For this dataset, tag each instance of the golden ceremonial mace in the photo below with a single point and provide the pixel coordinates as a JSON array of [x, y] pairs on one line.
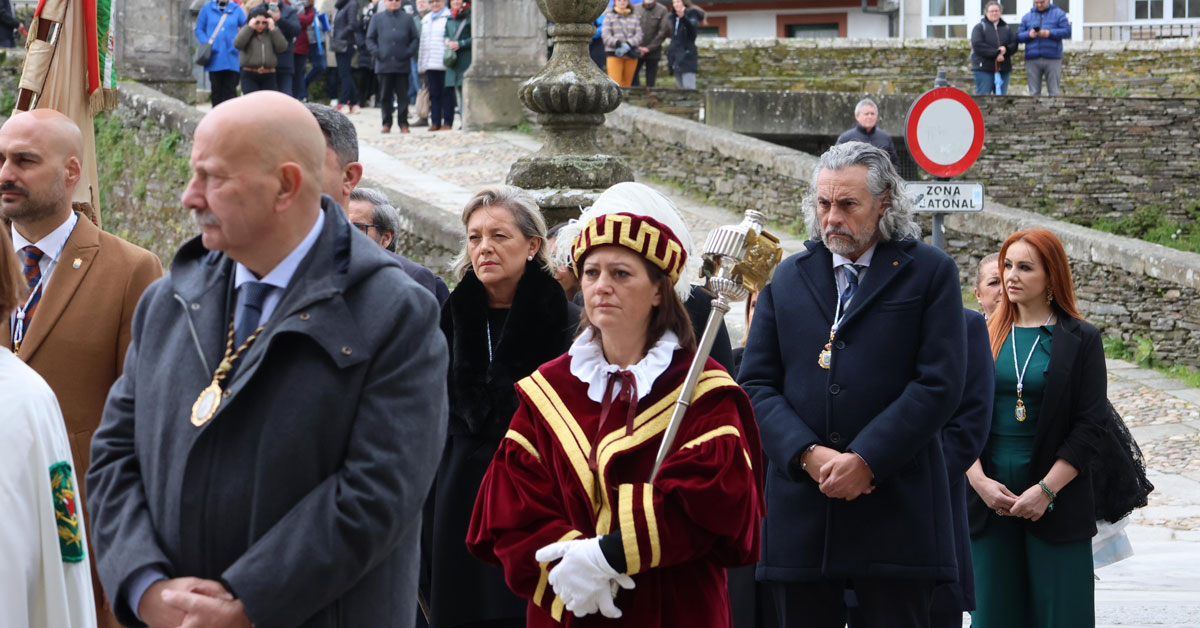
[[737, 259]]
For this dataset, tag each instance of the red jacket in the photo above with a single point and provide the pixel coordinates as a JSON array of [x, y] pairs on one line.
[[700, 516], [307, 14]]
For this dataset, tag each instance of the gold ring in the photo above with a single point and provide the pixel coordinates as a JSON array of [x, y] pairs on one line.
[[1000, 512]]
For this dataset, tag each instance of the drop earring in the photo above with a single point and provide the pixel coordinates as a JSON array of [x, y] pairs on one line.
[[1049, 296]]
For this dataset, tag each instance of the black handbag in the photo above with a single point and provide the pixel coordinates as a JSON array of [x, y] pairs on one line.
[[204, 50], [1119, 480]]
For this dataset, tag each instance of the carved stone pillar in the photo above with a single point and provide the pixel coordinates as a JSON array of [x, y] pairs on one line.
[[508, 43], [570, 96]]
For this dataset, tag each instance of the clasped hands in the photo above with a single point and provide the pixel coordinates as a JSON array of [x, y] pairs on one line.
[[1030, 504], [839, 475], [191, 603], [583, 579]]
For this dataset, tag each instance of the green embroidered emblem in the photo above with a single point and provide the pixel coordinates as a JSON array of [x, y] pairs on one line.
[[66, 513]]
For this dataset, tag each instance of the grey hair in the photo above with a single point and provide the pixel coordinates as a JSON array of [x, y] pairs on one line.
[[338, 130], [383, 213], [990, 3], [897, 222], [864, 103], [526, 214]]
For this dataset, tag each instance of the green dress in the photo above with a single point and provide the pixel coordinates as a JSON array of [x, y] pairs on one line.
[[1020, 580]]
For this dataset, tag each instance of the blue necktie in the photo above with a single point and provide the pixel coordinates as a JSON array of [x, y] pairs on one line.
[[31, 267], [253, 295], [851, 274]]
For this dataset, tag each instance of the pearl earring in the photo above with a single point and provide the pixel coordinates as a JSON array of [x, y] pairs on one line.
[[529, 259]]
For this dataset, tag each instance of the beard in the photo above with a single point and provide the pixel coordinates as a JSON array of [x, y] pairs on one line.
[[34, 207], [850, 242]]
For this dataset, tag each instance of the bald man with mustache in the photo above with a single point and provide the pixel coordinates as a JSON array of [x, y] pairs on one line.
[[72, 326], [265, 456]]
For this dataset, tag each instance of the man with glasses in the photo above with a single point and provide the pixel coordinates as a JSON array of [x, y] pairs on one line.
[[371, 212]]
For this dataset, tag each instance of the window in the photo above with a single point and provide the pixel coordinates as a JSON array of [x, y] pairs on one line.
[[812, 31], [1147, 9], [1185, 9], [946, 8]]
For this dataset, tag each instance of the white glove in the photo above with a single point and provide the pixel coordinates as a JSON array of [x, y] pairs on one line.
[[584, 580]]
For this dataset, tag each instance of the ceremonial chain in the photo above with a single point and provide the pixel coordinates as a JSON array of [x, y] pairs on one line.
[[1020, 410], [210, 398]]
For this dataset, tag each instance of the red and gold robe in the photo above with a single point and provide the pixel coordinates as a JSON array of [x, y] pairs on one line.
[[700, 516]]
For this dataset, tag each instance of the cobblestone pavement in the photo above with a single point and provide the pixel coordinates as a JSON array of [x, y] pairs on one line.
[[1159, 586]]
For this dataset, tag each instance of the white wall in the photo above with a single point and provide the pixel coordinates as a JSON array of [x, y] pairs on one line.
[[749, 24], [868, 25]]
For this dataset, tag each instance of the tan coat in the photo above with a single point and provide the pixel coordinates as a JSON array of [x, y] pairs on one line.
[[80, 330]]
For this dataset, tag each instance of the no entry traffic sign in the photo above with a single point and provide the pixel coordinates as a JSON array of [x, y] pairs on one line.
[[944, 131]]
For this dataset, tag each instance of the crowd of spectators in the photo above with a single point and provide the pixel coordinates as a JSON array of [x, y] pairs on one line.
[[384, 53]]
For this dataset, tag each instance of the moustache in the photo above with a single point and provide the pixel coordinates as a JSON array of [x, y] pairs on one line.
[[9, 186], [832, 231], [205, 218]]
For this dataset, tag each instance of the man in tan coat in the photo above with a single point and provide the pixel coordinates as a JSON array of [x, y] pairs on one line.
[[73, 325]]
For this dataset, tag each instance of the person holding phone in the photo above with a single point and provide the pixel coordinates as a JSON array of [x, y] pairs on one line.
[[1042, 31], [259, 45]]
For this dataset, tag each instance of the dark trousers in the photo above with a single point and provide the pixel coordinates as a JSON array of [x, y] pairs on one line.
[[298, 78], [651, 66], [318, 66], [441, 99], [596, 52], [881, 602], [223, 86], [253, 82], [391, 85], [367, 86], [284, 77], [348, 94]]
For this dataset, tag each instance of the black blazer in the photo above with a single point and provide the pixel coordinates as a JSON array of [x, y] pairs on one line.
[[1069, 427]]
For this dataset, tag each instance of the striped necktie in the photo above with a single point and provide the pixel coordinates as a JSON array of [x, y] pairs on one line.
[[851, 275], [32, 256]]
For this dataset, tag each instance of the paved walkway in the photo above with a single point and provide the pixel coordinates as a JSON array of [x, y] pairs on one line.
[[1159, 586]]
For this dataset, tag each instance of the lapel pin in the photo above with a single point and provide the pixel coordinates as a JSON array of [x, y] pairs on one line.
[[77, 263], [893, 263]]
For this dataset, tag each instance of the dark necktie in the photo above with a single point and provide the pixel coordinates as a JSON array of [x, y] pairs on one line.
[[33, 276], [253, 295], [851, 274]]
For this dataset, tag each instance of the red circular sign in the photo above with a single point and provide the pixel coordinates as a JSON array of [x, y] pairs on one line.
[[944, 131]]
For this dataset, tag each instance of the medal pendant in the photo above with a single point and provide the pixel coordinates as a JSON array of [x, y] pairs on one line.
[[825, 358], [1020, 411], [206, 404]]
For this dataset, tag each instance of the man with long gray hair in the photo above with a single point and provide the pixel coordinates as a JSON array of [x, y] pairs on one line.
[[854, 363]]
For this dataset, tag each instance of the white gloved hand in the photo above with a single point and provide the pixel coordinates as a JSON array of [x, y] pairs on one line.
[[584, 580]]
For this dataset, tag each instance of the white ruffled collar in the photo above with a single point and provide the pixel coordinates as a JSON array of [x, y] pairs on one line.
[[590, 367]]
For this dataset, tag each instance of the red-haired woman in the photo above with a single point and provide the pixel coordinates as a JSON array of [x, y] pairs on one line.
[[1032, 514]]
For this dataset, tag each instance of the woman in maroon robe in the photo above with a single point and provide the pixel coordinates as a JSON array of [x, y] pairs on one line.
[[566, 507]]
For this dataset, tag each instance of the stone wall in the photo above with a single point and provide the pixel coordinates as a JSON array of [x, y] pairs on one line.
[[685, 103], [727, 169], [1084, 159], [1077, 158], [1164, 68], [1126, 287]]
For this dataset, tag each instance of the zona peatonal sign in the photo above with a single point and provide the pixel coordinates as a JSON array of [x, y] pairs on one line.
[[944, 131], [946, 196]]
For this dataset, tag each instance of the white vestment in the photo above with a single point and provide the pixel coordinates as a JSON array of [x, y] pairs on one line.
[[38, 588]]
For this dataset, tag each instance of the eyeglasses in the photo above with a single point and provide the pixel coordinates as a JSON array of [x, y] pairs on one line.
[[363, 227]]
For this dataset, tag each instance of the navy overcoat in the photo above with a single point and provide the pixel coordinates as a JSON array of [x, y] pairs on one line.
[[963, 439], [899, 363]]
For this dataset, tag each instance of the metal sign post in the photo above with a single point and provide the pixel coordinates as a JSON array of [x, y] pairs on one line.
[[944, 131]]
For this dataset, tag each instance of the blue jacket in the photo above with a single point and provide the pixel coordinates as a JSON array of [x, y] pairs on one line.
[[899, 363], [963, 439], [1052, 19], [224, 55]]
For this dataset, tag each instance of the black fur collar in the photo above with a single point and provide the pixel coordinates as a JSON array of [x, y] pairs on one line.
[[538, 329]]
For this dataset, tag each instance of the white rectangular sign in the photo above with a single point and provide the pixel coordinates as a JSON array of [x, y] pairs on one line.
[[946, 196]]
